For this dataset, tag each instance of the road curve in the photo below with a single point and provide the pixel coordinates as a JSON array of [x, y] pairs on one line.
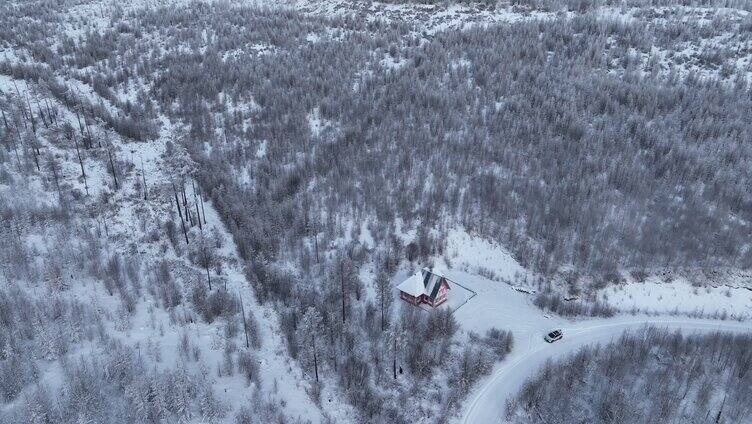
[[486, 403]]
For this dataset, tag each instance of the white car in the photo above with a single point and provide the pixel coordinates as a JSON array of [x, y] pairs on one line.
[[554, 336]]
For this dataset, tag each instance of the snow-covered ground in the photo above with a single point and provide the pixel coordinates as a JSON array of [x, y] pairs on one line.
[[480, 256], [680, 297], [498, 305]]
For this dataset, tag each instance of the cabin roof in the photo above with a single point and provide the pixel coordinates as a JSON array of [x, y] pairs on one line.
[[413, 285]]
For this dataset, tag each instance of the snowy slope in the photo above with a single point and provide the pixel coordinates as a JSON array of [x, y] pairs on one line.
[[680, 297], [127, 227]]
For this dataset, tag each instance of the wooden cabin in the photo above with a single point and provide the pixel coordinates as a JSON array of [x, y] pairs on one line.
[[426, 287]]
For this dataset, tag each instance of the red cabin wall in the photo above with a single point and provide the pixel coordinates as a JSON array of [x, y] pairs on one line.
[[440, 296], [409, 298]]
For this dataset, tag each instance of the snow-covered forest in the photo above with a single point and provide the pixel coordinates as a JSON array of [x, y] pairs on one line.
[[651, 376], [205, 206]]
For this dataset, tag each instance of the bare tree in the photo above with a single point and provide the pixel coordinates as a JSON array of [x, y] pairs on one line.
[[308, 330], [384, 296]]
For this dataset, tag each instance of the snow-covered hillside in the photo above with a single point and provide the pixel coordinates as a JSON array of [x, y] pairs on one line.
[[206, 206], [103, 248]]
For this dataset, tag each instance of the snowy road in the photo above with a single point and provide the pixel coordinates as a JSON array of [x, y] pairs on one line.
[[486, 404]]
